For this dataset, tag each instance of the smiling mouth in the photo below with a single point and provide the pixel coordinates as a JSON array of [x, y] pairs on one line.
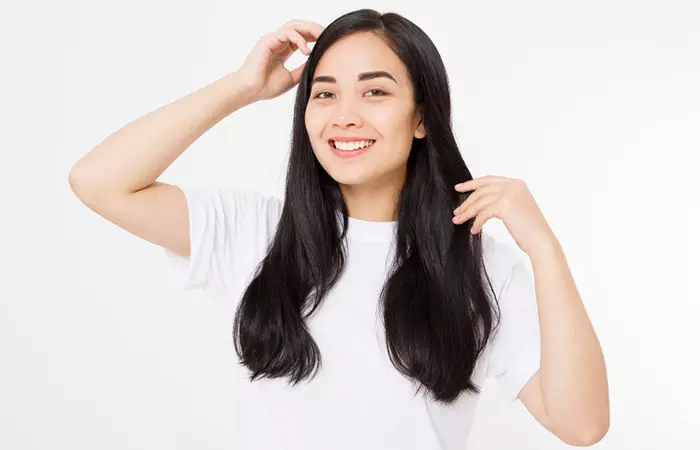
[[370, 142]]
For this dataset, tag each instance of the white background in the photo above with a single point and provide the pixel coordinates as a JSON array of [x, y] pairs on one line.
[[596, 105]]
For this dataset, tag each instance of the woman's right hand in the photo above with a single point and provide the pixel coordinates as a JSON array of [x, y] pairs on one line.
[[264, 69]]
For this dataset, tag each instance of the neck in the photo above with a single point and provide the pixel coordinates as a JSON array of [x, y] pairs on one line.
[[372, 203]]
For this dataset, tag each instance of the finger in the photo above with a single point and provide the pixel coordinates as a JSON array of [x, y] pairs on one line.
[[278, 44], [475, 208], [293, 40], [283, 47], [298, 40], [312, 29], [307, 37], [487, 213], [474, 196], [477, 182], [309, 31]]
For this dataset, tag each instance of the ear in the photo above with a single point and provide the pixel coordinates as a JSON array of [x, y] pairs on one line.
[[419, 133]]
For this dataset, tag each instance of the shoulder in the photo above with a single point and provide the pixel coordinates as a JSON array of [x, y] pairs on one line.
[[229, 230], [234, 210], [251, 201]]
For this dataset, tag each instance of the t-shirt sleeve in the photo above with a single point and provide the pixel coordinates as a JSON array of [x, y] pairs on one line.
[[515, 351], [230, 230]]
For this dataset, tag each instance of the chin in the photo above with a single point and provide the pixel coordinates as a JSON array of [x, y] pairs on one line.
[[350, 179]]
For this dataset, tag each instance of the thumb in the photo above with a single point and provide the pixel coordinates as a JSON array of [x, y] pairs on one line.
[[296, 73]]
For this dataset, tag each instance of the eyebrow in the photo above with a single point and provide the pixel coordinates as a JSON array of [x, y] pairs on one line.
[[361, 77]]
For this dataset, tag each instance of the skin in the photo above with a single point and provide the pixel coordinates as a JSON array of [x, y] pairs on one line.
[[376, 108], [569, 394]]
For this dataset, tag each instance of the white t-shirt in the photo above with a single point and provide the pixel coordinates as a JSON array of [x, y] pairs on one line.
[[357, 400]]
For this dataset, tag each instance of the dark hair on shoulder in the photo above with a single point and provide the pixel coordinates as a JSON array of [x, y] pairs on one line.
[[436, 308]]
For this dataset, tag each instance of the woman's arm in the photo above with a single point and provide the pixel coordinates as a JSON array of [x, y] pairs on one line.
[[117, 179], [572, 371], [133, 157]]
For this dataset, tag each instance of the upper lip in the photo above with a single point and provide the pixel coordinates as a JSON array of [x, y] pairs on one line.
[[349, 139]]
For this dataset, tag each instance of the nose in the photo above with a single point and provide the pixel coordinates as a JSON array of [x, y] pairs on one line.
[[346, 116]]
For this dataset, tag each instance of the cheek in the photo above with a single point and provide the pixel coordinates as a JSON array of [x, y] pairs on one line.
[[308, 121], [315, 124], [314, 121], [393, 124]]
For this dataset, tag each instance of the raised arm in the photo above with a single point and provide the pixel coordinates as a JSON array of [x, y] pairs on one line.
[[117, 178]]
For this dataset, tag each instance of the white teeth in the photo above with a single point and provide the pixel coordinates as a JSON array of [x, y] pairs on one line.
[[347, 146]]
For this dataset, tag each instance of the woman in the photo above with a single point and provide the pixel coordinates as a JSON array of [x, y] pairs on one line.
[[364, 287]]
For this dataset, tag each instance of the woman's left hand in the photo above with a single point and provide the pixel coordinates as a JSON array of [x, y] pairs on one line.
[[510, 200]]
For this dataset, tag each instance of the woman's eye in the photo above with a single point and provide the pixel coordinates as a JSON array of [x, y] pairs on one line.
[[378, 92]]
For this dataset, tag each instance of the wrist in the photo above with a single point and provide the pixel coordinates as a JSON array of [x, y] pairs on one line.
[[548, 247], [240, 91]]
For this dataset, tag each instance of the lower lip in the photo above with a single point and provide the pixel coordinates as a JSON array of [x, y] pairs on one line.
[[349, 153]]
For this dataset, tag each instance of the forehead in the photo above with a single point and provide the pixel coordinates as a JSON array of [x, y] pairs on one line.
[[360, 52]]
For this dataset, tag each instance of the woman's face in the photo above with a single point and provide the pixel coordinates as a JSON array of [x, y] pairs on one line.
[[344, 103]]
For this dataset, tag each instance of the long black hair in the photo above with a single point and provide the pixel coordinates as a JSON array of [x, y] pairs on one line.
[[437, 313]]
